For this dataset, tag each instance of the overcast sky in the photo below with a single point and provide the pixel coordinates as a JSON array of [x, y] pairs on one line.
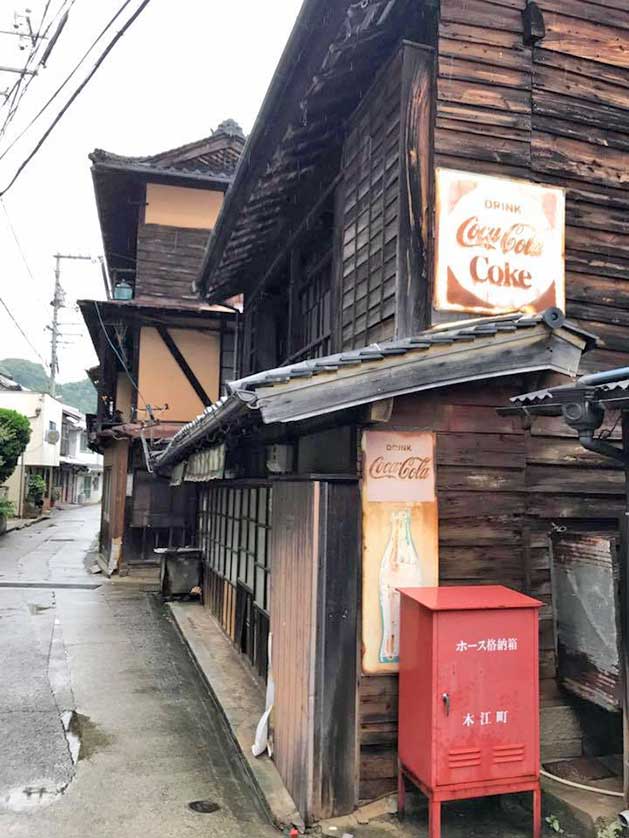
[[181, 69]]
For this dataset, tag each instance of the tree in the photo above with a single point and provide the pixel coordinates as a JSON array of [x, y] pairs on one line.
[[15, 432], [79, 394]]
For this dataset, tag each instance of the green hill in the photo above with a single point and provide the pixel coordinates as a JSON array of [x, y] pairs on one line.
[[79, 394]]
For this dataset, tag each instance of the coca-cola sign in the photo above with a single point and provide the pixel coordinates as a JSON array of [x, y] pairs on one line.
[[399, 466], [500, 244]]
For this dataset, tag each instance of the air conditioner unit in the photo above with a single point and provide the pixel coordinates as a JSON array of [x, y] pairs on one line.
[[53, 437]]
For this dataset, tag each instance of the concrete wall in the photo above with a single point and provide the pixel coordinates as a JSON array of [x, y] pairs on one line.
[[41, 409], [162, 382], [179, 206]]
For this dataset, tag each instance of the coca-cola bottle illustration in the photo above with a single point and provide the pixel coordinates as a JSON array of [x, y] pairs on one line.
[[400, 568]]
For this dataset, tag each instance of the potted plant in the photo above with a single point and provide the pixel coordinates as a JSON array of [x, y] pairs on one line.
[[7, 510], [35, 493]]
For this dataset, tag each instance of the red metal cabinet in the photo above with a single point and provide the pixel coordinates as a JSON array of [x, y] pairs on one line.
[[469, 695]]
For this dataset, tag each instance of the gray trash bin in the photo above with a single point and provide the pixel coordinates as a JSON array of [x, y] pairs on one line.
[[180, 570]]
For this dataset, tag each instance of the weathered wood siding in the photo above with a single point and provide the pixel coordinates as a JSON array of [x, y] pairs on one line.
[[370, 214], [168, 261], [314, 612], [382, 214], [556, 112], [501, 492], [294, 557]]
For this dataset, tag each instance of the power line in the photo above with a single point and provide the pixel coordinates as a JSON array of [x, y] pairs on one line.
[[77, 92], [118, 356], [17, 92], [21, 331], [20, 248], [60, 20]]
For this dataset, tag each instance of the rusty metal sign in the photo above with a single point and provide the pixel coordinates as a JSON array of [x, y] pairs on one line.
[[500, 244], [400, 536]]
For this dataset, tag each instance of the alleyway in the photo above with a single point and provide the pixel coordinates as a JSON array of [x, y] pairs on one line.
[[105, 728]]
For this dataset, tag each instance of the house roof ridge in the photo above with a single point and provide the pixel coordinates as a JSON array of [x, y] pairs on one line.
[[220, 137]]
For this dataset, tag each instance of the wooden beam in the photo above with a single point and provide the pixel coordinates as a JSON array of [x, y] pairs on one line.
[[184, 366]]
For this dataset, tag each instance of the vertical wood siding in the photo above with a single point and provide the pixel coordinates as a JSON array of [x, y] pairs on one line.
[[294, 551], [369, 215], [315, 547]]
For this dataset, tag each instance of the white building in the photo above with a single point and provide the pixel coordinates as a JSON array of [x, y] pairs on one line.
[[74, 476], [80, 469]]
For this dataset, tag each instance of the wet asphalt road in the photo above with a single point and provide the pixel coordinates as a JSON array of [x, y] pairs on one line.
[[105, 728]]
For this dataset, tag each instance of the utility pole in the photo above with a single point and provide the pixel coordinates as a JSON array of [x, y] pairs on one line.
[[58, 301]]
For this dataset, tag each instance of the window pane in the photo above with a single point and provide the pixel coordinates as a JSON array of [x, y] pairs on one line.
[[260, 587], [261, 551]]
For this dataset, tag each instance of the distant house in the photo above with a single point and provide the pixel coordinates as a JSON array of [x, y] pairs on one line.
[[8, 383], [80, 469], [163, 354], [54, 452]]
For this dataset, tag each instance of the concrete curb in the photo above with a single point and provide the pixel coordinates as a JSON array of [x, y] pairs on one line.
[[580, 813], [22, 523], [232, 688]]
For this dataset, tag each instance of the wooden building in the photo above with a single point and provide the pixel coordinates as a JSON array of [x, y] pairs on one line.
[[163, 354], [335, 231]]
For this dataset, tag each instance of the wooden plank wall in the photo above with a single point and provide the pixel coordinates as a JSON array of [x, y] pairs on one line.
[[335, 741], [369, 215], [501, 492], [556, 112], [294, 551], [168, 260]]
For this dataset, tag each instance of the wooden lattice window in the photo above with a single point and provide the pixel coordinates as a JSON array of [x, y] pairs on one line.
[[314, 307], [371, 170], [234, 524]]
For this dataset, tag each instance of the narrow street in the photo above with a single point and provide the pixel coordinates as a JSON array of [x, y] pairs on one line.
[[106, 729]]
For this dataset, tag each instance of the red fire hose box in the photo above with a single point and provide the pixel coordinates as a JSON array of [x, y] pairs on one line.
[[469, 695]]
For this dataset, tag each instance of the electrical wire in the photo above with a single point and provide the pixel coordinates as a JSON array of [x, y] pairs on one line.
[[117, 354], [21, 250], [22, 332], [77, 91], [60, 88], [21, 85]]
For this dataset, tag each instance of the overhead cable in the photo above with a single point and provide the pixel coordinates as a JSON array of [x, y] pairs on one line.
[[77, 92], [20, 249], [21, 85], [68, 78], [21, 331], [117, 354]]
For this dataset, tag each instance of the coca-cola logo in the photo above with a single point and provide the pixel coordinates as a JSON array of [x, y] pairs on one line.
[[516, 238], [410, 468], [399, 466], [500, 244]]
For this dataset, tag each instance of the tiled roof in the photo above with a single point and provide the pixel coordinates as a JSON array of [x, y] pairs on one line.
[[456, 333], [215, 156], [401, 357], [8, 383], [558, 395]]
